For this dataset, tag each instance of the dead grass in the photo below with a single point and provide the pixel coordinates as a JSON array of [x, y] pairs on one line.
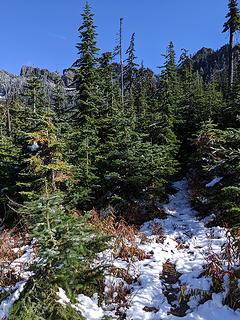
[[126, 238], [233, 296], [158, 231], [169, 273], [10, 244], [117, 293], [112, 227], [129, 253], [136, 214], [122, 273]]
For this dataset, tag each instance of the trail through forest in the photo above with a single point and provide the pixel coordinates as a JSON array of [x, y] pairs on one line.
[[171, 283]]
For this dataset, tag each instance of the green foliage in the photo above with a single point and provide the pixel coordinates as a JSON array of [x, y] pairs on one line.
[[230, 115], [66, 248], [43, 166], [218, 154], [233, 22], [131, 65], [40, 302], [86, 76]]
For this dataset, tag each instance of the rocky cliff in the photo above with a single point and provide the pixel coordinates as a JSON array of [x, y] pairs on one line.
[[206, 61], [11, 84], [210, 62]]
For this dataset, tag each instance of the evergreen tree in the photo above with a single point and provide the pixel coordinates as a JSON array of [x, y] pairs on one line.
[[232, 25], [43, 167], [144, 92], [131, 65], [86, 76], [35, 95], [163, 113], [59, 100], [110, 96], [191, 111], [230, 115], [169, 87], [83, 138], [9, 162]]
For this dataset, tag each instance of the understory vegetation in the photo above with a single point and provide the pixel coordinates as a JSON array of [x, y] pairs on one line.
[[129, 135]]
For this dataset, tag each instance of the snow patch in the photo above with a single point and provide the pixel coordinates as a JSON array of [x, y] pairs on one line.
[[86, 306], [19, 266], [7, 303], [213, 182], [34, 146]]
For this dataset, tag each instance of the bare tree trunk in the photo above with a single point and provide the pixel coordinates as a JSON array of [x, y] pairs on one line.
[[9, 123], [53, 181], [34, 100], [121, 61], [87, 157], [231, 65]]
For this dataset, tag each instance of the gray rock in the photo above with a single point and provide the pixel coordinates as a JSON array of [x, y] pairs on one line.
[[68, 77], [11, 84], [40, 73]]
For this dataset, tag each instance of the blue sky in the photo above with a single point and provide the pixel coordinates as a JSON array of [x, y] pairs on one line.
[[43, 33]]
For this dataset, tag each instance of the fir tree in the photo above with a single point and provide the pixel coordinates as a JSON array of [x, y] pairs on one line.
[[131, 65], [230, 113], [232, 25], [86, 76], [169, 87], [59, 99], [35, 95], [161, 129], [83, 138]]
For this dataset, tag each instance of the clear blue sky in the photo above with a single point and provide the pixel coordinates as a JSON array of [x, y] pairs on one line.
[[43, 33]]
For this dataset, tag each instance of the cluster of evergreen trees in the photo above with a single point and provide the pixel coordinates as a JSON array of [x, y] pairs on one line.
[[129, 133]]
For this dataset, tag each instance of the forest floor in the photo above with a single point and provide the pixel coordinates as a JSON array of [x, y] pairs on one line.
[[175, 266]]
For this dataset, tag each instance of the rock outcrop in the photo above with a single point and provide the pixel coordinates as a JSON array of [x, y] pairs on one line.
[[11, 84], [211, 63]]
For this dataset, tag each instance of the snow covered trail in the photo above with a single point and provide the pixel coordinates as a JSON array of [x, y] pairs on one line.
[[184, 251]]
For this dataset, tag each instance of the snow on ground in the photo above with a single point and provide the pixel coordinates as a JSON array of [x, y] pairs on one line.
[[20, 266], [86, 306], [214, 182], [147, 300]]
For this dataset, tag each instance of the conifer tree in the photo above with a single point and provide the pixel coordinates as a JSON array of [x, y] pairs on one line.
[[232, 25], [86, 76], [144, 97], [110, 96], [83, 138], [9, 163], [43, 166], [59, 99], [169, 86], [35, 95], [131, 65], [230, 113], [192, 105], [166, 104]]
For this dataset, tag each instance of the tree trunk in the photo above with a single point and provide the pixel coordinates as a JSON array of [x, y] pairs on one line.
[[121, 62], [9, 123], [231, 65]]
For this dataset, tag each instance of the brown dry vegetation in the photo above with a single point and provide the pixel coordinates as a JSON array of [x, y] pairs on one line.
[[10, 240]]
